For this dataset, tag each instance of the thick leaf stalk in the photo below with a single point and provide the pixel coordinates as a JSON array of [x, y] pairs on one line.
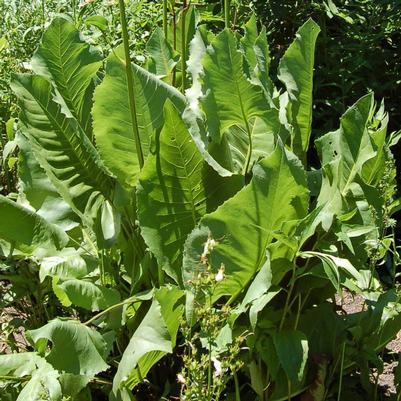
[[227, 13], [184, 44], [130, 82]]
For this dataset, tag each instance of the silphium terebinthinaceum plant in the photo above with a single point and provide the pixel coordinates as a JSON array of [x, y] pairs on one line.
[[224, 164]]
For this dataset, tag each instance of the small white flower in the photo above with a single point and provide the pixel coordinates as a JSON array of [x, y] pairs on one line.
[[207, 248], [217, 366], [180, 378], [84, 3], [220, 274]]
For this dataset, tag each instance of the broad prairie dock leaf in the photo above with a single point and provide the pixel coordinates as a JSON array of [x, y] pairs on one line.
[[76, 348], [26, 229], [40, 377], [296, 72], [344, 152], [71, 64], [229, 94], [112, 120], [292, 349], [60, 145], [163, 57], [243, 226], [154, 338], [36, 188], [176, 188], [351, 143]]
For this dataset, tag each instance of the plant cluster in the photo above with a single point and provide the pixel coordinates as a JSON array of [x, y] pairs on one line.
[[21, 28], [170, 214], [359, 38]]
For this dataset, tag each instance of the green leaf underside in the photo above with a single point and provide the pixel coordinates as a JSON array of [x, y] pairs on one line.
[[263, 141], [296, 72], [344, 153], [230, 97], [163, 57], [21, 226], [88, 295], [76, 349], [154, 338], [244, 225], [351, 143], [176, 188], [39, 191], [112, 119], [65, 59], [40, 376], [292, 351], [60, 146]]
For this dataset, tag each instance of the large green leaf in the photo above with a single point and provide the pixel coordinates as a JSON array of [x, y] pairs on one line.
[[193, 114], [162, 56], [36, 188], [292, 350], [69, 263], [230, 97], [344, 153], [112, 122], [247, 43], [192, 19], [257, 55], [26, 229], [155, 337], [351, 143], [76, 348], [176, 188], [41, 378], [71, 64], [261, 70], [85, 294], [374, 169], [60, 145], [296, 72], [244, 225], [262, 135]]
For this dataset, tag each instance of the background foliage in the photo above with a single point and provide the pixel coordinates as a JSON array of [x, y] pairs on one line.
[[212, 267]]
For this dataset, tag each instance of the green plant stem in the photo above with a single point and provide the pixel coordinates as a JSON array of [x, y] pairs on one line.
[[289, 294], [236, 384], [165, 19], [340, 383], [298, 312], [227, 13], [5, 164], [209, 374], [15, 379], [289, 389], [183, 45], [98, 380], [74, 11], [250, 148], [110, 308], [131, 84], [174, 42], [160, 273], [43, 14]]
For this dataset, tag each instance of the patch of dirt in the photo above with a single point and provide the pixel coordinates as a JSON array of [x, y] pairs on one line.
[[12, 333], [350, 304]]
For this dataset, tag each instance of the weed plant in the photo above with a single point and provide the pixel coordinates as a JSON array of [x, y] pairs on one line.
[[183, 241]]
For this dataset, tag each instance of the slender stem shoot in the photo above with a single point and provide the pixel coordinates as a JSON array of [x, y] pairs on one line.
[[340, 383], [165, 18]]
